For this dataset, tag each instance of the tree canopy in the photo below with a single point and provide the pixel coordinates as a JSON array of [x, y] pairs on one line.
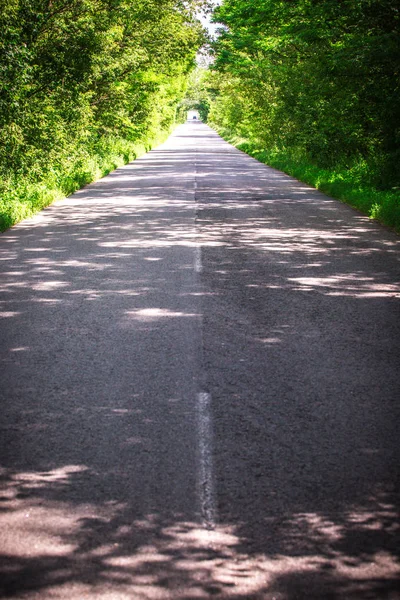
[[77, 75], [317, 77]]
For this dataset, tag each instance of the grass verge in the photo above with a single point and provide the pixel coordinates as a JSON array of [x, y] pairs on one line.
[[21, 197], [347, 185]]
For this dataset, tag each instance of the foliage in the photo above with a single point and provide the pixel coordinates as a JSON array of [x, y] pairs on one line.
[[315, 79], [81, 82], [199, 95]]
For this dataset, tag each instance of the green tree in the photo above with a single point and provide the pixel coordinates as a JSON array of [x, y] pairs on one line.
[[320, 78], [76, 76]]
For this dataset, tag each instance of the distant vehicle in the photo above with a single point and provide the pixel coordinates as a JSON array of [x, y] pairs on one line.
[[194, 117]]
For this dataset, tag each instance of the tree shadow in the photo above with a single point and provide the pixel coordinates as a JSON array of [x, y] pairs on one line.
[[290, 323]]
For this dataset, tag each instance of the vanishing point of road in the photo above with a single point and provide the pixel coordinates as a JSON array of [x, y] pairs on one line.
[[199, 389]]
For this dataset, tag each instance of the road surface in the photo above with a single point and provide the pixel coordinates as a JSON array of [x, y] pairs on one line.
[[199, 388]]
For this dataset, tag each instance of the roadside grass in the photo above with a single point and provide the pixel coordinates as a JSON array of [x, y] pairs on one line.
[[348, 185], [21, 197]]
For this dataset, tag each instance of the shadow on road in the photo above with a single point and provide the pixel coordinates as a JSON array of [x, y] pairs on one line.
[[298, 306]]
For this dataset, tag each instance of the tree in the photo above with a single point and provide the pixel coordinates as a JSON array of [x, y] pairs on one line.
[[73, 71], [320, 78]]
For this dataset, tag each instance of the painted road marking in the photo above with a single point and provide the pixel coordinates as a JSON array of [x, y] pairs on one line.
[[198, 265], [206, 476]]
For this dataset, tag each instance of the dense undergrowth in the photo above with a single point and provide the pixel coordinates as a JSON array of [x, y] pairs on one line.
[[22, 197]]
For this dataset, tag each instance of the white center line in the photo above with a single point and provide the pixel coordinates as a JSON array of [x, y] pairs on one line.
[[198, 265], [206, 477]]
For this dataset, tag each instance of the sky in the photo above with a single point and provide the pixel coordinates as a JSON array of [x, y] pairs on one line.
[[205, 19]]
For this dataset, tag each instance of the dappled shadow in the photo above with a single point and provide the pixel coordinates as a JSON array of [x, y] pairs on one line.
[[124, 301], [302, 351], [64, 542]]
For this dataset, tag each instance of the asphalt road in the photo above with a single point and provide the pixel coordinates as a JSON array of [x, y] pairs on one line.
[[200, 388]]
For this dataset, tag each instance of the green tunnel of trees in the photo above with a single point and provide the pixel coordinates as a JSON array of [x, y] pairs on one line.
[[309, 86]]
